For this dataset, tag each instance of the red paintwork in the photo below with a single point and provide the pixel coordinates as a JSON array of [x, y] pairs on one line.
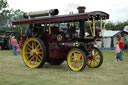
[[60, 50], [57, 49]]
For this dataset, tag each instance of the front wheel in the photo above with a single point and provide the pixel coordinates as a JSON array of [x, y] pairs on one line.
[[95, 58], [76, 59]]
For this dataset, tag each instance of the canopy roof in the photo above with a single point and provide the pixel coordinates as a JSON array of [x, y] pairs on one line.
[[63, 18]]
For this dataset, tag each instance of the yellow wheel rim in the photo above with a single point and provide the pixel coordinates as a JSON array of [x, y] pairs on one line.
[[75, 60], [32, 53], [94, 58]]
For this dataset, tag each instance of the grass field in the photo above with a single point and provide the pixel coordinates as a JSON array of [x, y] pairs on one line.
[[14, 72]]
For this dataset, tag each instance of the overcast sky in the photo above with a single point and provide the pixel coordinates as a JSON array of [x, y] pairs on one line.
[[118, 9]]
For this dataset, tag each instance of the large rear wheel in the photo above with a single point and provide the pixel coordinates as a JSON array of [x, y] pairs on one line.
[[34, 52], [76, 59], [95, 58]]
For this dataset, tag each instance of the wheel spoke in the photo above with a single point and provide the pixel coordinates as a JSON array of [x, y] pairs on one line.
[[79, 64], [31, 58], [27, 53], [39, 53], [32, 44], [71, 59], [29, 45], [77, 54], [29, 49], [97, 54], [73, 55], [40, 56], [37, 47], [28, 56], [81, 60], [97, 58], [29, 61], [75, 65], [80, 56], [96, 61], [91, 62]]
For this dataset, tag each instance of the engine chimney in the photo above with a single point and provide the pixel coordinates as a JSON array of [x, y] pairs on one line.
[[81, 9]]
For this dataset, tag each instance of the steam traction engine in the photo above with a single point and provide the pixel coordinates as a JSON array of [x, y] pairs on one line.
[[55, 38]]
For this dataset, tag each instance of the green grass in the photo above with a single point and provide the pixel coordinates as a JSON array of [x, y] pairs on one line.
[[14, 72]]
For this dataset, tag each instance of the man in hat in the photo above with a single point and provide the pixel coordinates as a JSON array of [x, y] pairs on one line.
[[14, 45]]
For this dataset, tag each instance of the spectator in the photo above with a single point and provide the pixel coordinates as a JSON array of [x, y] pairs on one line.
[[14, 45], [117, 51], [121, 46], [21, 43], [18, 49]]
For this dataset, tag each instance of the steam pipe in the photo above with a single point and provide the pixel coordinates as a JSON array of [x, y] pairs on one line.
[[50, 12]]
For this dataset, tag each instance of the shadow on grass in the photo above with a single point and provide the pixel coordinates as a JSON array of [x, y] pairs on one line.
[[62, 67]]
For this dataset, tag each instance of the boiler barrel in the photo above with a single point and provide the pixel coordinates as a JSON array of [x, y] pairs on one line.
[[41, 13]]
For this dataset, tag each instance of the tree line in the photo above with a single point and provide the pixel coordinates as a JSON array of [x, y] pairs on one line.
[[116, 26]]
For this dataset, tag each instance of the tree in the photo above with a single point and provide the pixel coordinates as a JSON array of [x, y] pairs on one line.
[[12, 16], [116, 26], [3, 12], [3, 5], [8, 15], [110, 26], [17, 15]]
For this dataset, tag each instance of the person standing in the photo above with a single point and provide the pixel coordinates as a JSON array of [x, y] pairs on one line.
[[121, 46], [117, 51], [21, 43], [14, 45], [18, 49]]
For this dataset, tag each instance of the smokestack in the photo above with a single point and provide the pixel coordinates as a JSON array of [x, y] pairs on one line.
[[81, 9]]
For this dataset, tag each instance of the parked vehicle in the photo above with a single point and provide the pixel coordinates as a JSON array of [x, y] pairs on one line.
[[5, 39]]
